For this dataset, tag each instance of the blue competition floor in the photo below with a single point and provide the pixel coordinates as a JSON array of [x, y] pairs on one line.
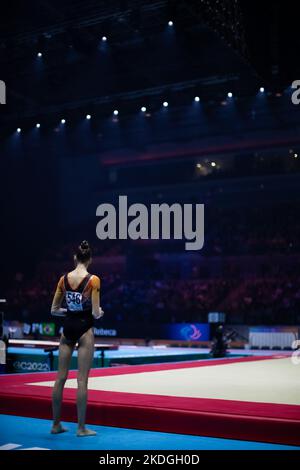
[[18, 433], [122, 352], [137, 351]]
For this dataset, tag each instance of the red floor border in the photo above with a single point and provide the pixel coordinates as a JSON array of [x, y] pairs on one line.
[[208, 417]]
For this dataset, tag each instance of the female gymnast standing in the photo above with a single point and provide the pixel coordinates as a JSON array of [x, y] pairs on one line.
[[81, 292]]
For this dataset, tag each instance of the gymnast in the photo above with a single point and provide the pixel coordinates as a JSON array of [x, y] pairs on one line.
[[81, 292]]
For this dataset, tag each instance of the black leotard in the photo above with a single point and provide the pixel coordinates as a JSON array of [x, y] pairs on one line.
[[79, 318]]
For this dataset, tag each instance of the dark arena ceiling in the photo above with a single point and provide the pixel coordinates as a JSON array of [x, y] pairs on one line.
[[212, 45]]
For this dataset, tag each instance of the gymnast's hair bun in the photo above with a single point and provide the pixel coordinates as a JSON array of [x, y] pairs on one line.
[[83, 254], [84, 245]]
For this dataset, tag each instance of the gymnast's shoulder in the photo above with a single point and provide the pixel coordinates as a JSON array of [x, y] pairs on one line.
[[95, 281]]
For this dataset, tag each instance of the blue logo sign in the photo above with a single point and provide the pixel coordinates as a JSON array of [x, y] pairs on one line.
[[188, 331]]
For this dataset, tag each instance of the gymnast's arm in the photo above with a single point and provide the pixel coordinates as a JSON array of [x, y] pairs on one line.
[[96, 309], [56, 309]]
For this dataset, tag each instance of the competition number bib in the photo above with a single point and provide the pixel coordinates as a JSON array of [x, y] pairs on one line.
[[74, 301]]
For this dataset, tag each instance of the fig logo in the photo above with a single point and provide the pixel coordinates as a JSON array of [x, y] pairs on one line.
[[191, 332], [2, 92]]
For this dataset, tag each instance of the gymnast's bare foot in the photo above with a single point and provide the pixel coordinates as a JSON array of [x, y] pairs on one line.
[[58, 429], [84, 432]]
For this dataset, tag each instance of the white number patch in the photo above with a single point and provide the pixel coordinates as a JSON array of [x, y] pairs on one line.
[[74, 301]]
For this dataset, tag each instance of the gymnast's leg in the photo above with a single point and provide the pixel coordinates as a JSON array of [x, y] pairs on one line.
[[85, 357], [65, 354]]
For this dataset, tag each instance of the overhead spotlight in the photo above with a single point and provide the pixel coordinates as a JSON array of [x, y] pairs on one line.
[[262, 89], [19, 130], [39, 54], [38, 125], [63, 121], [143, 109], [88, 116], [230, 95], [199, 165], [104, 38], [165, 104], [213, 164], [295, 155], [197, 98], [116, 112], [170, 23]]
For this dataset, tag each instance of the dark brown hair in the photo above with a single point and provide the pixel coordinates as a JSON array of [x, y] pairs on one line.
[[83, 254]]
